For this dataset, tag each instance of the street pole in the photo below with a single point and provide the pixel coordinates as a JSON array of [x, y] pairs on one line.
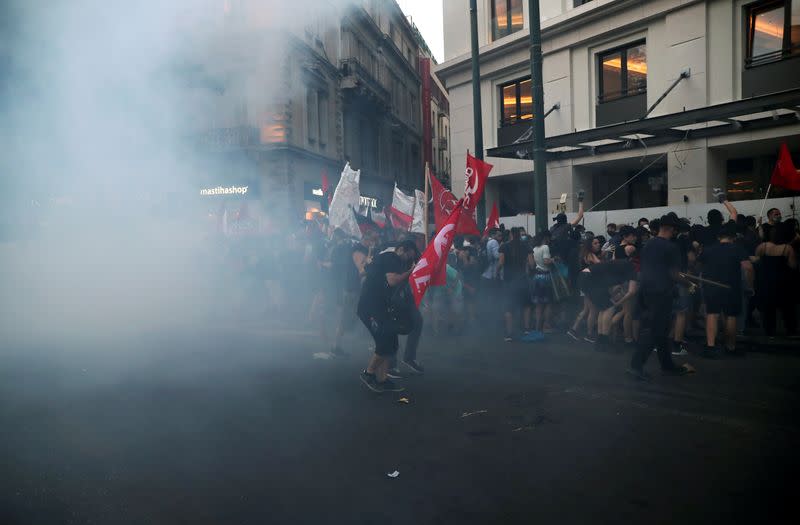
[[537, 90], [477, 123]]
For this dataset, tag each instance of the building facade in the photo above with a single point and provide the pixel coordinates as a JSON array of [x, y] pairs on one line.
[[295, 103], [700, 93]]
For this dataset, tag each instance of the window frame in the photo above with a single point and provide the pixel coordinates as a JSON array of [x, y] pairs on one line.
[[508, 27], [623, 51], [518, 93], [753, 9]]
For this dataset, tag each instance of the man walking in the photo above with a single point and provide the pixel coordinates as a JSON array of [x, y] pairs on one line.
[[660, 264]]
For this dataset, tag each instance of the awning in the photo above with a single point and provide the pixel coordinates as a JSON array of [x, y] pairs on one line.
[[766, 111]]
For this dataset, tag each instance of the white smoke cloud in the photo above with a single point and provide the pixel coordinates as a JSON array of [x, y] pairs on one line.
[[100, 101]]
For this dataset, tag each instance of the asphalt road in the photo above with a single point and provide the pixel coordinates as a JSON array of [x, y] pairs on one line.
[[242, 425]]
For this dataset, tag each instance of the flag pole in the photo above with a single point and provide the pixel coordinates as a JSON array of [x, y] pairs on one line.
[[764, 204], [425, 209]]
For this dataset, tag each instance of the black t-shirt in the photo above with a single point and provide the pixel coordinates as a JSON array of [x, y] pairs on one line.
[[516, 259], [343, 270], [660, 257], [722, 262], [612, 273], [711, 234], [376, 293]]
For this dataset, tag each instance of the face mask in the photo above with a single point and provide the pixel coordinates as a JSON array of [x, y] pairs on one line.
[[524, 238]]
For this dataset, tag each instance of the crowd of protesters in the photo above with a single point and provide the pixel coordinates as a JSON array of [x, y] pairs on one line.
[[639, 288]]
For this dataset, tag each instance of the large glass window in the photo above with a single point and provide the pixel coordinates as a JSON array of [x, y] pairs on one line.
[[506, 17], [773, 31], [623, 72], [516, 102]]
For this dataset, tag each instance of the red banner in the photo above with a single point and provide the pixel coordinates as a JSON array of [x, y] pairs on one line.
[[428, 270], [494, 220], [476, 175], [444, 203], [785, 175]]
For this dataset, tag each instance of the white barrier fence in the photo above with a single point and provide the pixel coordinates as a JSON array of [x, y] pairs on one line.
[[596, 221]]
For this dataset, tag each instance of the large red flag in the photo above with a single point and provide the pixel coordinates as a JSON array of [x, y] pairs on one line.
[[444, 203], [429, 268], [477, 173], [494, 220], [785, 175]]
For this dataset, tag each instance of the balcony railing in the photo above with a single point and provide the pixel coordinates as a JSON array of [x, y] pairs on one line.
[[442, 142], [357, 77]]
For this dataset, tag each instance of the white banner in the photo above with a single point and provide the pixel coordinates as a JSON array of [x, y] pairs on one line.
[[346, 198], [402, 202], [418, 222]]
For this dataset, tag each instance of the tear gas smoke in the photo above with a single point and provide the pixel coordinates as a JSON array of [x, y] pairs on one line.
[[100, 103]]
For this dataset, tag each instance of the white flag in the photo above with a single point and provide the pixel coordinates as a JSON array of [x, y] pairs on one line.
[[402, 202], [345, 200], [418, 222]]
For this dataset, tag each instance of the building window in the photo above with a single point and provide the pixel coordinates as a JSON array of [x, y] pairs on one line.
[[773, 31], [506, 17], [516, 102], [312, 115], [322, 110], [623, 72]]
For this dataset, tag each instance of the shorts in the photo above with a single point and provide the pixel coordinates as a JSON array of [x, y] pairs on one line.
[[378, 325], [728, 302], [681, 300], [541, 288], [517, 294], [599, 296]]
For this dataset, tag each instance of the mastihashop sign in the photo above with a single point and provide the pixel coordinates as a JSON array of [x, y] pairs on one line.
[[225, 190]]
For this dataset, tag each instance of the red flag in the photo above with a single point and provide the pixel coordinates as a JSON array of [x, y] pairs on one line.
[[429, 268], [477, 173], [785, 175], [494, 220], [444, 203], [325, 184]]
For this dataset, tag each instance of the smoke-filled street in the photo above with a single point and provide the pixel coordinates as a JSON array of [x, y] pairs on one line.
[[241, 424]]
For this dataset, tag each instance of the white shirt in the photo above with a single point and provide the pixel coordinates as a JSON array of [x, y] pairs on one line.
[[493, 255], [540, 253]]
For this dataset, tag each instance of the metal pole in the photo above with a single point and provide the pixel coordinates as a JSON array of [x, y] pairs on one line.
[[537, 90], [477, 122]]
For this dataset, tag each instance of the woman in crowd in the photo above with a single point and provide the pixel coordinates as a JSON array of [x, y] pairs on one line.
[[777, 261], [539, 266], [590, 255]]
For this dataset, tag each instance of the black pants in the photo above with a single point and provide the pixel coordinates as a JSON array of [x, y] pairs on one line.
[[770, 316], [656, 309]]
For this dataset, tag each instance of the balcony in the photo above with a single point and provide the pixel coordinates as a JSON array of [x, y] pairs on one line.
[[632, 107], [360, 81], [509, 133]]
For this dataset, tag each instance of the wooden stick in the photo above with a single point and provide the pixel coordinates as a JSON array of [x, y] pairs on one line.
[[705, 281], [764, 204], [425, 209]]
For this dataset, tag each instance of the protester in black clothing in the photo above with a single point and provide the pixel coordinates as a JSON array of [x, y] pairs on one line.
[[602, 278], [513, 264], [388, 270], [627, 245], [660, 264], [724, 263], [468, 266], [348, 262], [778, 262]]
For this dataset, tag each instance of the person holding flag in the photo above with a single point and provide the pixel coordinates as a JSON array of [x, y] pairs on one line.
[[386, 274]]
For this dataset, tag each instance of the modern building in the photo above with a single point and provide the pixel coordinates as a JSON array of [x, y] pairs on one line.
[[675, 96], [294, 103]]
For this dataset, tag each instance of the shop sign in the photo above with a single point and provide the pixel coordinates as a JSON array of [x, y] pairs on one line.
[[225, 190]]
